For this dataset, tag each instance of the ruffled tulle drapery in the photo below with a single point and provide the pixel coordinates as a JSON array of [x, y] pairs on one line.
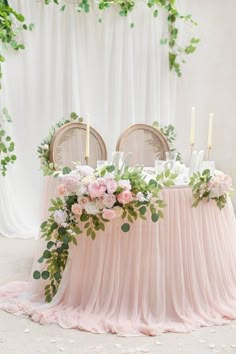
[[174, 275]]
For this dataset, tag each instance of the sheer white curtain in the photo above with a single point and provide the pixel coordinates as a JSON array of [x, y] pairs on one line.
[[74, 63]]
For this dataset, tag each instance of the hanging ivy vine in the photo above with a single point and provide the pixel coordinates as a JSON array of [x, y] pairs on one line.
[[11, 23], [177, 52]]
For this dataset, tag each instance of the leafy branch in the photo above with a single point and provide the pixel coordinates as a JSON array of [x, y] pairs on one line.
[[177, 52]]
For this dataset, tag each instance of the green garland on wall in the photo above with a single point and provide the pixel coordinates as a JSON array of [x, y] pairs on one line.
[[177, 52], [11, 23]]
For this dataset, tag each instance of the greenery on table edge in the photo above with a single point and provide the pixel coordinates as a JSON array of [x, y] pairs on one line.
[[11, 23], [125, 7], [199, 182], [43, 149], [169, 132], [59, 238]]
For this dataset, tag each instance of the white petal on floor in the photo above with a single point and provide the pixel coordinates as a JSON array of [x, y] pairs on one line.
[[211, 346]]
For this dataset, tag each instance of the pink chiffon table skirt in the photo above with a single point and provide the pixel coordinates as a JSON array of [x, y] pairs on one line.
[[174, 275]]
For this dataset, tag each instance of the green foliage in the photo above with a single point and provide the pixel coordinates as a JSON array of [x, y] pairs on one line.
[[169, 132], [43, 150], [7, 146], [173, 15]]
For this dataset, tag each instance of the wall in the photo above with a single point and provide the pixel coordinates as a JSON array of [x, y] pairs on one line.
[[209, 84]]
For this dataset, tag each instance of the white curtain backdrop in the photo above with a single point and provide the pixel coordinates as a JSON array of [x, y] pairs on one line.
[[72, 62]]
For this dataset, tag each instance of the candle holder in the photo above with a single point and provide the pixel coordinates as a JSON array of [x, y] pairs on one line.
[[208, 152], [86, 160], [191, 147]]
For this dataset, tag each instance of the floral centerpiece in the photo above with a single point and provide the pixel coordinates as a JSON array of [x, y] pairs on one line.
[[207, 186], [87, 200]]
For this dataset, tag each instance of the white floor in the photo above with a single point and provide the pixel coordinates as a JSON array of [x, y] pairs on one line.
[[19, 335]]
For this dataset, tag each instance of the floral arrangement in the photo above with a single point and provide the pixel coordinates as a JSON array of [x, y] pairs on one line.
[[205, 186], [43, 150], [87, 200], [169, 132], [173, 16]]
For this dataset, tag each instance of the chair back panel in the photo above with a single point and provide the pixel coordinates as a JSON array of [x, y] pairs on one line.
[[146, 143], [68, 146]]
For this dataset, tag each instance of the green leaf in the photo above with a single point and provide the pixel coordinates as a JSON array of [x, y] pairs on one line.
[[50, 244], [40, 260], [66, 170], [142, 210], [36, 274], [47, 254], [45, 275], [110, 168], [155, 217], [125, 227]]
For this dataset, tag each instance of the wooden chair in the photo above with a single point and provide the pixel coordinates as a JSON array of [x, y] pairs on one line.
[[146, 144], [68, 146]]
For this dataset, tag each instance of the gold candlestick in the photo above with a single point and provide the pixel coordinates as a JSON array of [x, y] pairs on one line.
[[86, 160]]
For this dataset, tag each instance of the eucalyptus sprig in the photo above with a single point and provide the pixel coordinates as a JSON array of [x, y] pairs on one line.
[[43, 150], [177, 52], [7, 145], [11, 23], [169, 132]]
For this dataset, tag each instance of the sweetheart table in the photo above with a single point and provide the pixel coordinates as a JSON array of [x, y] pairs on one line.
[[174, 275]]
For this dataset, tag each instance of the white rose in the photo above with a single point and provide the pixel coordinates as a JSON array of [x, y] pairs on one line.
[[81, 190], [140, 197], [91, 208], [45, 147], [60, 216], [84, 170], [124, 183]]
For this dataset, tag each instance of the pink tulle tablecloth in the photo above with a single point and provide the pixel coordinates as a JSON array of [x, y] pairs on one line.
[[174, 275]]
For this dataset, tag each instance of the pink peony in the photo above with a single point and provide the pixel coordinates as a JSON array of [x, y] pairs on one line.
[[76, 209], [96, 190], [125, 197], [61, 190], [71, 183], [111, 186], [109, 200], [108, 214]]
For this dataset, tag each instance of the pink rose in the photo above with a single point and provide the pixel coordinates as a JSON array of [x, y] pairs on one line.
[[125, 197], [59, 244], [111, 186], [109, 200], [83, 201], [96, 190], [76, 209], [108, 214], [61, 190]]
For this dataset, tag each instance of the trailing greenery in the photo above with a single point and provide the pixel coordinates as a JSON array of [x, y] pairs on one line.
[[7, 146], [11, 23], [169, 132], [86, 207], [177, 52]]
